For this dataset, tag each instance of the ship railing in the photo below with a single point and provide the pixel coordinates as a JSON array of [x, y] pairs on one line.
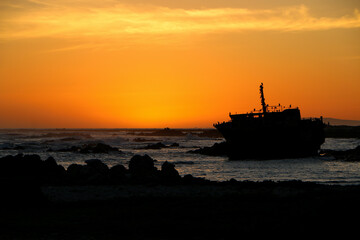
[[312, 119], [279, 108], [275, 108]]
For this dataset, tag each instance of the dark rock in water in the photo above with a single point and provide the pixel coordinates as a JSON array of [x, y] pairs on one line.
[[210, 133], [64, 134], [168, 173], [347, 155], [163, 132], [142, 165], [158, 145], [90, 148], [174, 145], [10, 146], [218, 149], [144, 140], [97, 148]]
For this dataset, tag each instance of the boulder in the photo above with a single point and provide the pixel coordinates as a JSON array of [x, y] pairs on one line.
[[117, 174], [97, 166], [53, 173], [168, 173], [94, 172], [142, 166]]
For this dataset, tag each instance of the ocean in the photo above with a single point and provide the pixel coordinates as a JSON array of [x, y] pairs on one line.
[[46, 143]]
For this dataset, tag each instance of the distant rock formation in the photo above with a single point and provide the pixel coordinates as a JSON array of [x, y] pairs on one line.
[[89, 148], [347, 155], [218, 149], [160, 145]]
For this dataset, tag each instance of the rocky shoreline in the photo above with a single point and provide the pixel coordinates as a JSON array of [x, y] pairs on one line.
[[42, 200]]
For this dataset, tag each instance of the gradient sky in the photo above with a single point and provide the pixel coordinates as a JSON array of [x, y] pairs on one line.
[[163, 63]]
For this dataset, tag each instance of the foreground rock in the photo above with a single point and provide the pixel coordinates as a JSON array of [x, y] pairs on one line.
[[141, 170], [30, 168]]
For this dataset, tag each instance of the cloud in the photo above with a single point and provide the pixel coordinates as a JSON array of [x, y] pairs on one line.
[[83, 19]]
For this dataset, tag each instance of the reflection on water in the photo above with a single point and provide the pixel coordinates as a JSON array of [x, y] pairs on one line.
[[320, 169]]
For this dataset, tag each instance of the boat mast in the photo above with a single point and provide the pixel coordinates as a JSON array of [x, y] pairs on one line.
[[264, 107]]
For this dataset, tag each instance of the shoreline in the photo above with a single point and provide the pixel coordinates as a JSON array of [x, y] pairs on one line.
[[219, 210], [42, 200]]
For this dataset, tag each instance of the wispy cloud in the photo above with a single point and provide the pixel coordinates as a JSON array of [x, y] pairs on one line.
[[66, 19]]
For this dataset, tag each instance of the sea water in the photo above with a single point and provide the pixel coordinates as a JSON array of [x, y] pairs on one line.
[[325, 170]]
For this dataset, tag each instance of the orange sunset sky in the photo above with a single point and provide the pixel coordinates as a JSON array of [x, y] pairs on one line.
[[164, 63]]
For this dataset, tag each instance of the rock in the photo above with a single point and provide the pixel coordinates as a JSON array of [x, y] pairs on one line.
[[218, 149], [347, 155], [97, 148], [94, 172], [142, 166], [353, 154], [144, 140], [53, 173], [75, 173], [168, 173], [158, 145], [117, 174], [97, 166], [89, 148]]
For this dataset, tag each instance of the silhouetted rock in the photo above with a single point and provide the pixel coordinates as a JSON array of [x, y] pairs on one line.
[[54, 173], [144, 140], [189, 179], [158, 145], [97, 166], [174, 145], [210, 133], [63, 134], [168, 173], [164, 132], [22, 175], [89, 148], [117, 174], [142, 165], [76, 173], [94, 172], [31, 168], [347, 155], [218, 149], [98, 148]]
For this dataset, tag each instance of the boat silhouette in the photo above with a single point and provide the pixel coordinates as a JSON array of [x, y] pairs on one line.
[[272, 132]]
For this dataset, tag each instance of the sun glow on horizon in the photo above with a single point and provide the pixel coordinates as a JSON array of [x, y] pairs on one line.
[[122, 63]]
